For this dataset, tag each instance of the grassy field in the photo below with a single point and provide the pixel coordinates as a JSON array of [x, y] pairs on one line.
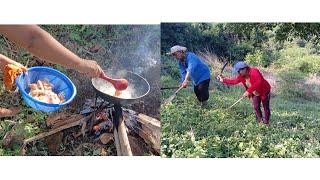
[[189, 131]]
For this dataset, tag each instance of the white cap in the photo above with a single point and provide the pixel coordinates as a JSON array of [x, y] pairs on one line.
[[176, 49]]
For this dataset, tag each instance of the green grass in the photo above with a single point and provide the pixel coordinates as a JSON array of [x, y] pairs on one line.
[[28, 124], [293, 130]]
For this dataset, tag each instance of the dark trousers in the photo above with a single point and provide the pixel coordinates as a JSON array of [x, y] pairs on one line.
[[256, 103], [202, 90]]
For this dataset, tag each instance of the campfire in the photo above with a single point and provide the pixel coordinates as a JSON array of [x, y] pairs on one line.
[[105, 117]]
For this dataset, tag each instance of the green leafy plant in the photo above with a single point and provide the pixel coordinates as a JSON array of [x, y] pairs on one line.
[[236, 133]]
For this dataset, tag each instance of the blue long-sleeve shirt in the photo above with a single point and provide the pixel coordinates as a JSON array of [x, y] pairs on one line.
[[199, 71]]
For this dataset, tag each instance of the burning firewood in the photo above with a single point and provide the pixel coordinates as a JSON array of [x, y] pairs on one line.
[[105, 138], [105, 125], [146, 127], [53, 131]]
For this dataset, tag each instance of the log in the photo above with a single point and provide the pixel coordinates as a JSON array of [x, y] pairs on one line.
[[123, 138], [68, 120], [146, 127], [119, 125], [105, 138], [9, 136], [56, 120], [117, 142], [138, 147], [45, 134]]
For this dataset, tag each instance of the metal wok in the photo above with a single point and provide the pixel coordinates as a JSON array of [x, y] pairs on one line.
[[138, 87]]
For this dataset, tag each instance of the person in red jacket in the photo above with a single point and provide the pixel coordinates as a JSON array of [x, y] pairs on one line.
[[257, 88]]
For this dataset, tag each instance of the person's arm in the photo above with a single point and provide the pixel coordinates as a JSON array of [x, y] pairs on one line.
[[183, 72], [192, 63], [43, 45], [191, 66], [186, 80], [231, 81], [5, 60]]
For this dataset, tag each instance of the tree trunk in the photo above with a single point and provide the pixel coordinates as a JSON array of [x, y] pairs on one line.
[[146, 127]]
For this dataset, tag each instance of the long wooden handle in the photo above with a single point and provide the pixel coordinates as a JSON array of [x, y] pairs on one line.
[[178, 89], [235, 103], [169, 87]]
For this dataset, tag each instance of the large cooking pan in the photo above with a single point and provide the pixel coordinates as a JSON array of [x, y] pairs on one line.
[[138, 87]]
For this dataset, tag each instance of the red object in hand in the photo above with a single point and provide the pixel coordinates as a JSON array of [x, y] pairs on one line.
[[119, 84]]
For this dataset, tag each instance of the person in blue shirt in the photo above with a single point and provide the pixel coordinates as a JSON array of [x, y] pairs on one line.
[[194, 69]]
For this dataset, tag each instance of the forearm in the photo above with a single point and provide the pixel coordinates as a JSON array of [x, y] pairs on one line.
[[187, 78], [230, 81], [41, 44], [183, 76]]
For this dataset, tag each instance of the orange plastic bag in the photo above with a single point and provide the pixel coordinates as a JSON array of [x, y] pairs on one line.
[[10, 74]]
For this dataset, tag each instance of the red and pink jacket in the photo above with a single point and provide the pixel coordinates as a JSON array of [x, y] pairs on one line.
[[258, 83]]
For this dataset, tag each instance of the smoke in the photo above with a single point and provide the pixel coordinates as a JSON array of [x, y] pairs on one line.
[[148, 51], [139, 50]]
